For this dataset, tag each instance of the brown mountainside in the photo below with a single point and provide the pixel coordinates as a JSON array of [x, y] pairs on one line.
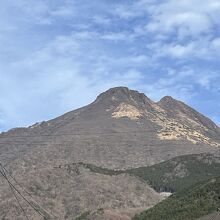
[[121, 129]]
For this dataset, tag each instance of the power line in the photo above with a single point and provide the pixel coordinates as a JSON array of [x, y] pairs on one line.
[[23, 197], [25, 190], [14, 189], [15, 180], [14, 193]]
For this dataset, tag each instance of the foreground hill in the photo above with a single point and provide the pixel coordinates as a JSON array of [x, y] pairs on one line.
[[69, 191], [122, 129], [173, 175], [180, 172], [189, 204]]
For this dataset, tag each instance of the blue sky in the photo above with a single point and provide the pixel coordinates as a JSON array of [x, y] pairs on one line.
[[57, 55]]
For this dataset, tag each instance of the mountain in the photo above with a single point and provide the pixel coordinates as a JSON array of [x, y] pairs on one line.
[[122, 129], [192, 203]]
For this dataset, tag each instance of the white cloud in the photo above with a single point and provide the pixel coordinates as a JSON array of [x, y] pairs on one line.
[[201, 49], [63, 12], [216, 43], [188, 18], [59, 49], [132, 75], [183, 84], [57, 73], [180, 50], [189, 27], [101, 20], [120, 36], [185, 23]]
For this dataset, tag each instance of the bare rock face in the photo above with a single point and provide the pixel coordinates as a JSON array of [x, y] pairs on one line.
[[121, 129]]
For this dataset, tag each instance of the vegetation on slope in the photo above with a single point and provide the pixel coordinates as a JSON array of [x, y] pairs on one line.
[[172, 175], [189, 204], [180, 172]]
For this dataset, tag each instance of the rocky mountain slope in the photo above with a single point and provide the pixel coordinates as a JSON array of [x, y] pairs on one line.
[[121, 129]]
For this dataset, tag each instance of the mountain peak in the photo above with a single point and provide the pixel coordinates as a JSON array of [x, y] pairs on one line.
[[116, 91], [123, 94], [167, 99], [169, 103], [178, 109]]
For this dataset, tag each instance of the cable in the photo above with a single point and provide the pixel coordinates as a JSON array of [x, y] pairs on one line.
[[24, 198], [14, 193], [25, 190], [15, 180]]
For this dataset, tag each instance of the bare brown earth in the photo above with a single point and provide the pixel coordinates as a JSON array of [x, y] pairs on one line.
[[121, 129]]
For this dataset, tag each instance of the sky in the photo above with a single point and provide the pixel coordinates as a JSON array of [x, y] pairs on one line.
[[58, 55]]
